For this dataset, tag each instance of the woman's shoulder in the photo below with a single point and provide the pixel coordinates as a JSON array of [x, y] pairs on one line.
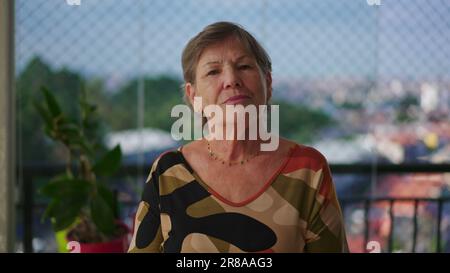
[[192, 146], [175, 155], [166, 159], [306, 156]]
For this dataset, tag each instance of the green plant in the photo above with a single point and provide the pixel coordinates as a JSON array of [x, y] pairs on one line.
[[79, 201]]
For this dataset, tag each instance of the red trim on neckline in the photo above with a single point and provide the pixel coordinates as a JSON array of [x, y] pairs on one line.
[[251, 198]]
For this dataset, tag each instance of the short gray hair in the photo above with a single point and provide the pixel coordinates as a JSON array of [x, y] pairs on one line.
[[212, 34]]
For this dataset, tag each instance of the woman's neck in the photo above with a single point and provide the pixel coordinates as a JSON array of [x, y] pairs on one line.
[[234, 150]]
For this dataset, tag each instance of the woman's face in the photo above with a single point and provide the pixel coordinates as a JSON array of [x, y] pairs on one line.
[[227, 74]]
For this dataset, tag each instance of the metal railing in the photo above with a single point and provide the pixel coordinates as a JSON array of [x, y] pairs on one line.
[[30, 172], [368, 202]]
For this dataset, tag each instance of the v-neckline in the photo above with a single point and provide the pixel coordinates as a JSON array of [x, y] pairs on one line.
[[255, 196]]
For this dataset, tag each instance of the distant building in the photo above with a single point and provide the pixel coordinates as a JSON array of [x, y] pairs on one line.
[[141, 146]]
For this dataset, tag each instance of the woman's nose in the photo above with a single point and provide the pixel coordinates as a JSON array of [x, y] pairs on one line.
[[231, 78]]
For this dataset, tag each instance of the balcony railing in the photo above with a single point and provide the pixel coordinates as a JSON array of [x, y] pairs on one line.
[[30, 172], [368, 202]]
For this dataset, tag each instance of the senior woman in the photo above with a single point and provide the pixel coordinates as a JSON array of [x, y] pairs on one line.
[[228, 195]]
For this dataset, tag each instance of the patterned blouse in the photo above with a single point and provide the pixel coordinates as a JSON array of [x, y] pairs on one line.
[[296, 210]]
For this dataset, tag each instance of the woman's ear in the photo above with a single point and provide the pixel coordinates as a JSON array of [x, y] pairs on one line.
[[190, 92]]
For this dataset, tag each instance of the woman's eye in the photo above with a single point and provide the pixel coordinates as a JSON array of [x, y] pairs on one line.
[[212, 72], [244, 66]]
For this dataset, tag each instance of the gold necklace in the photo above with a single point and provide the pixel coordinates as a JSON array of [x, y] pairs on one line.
[[229, 163]]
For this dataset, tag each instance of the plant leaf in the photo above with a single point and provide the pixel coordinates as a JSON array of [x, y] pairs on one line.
[[71, 132], [69, 128], [109, 163], [45, 115], [102, 215], [64, 186], [52, 104], [66, 205], [109, 197], [61, 215], [82, 144]]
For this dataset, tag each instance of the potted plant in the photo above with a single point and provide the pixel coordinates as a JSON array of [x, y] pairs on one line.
[[81, 205]]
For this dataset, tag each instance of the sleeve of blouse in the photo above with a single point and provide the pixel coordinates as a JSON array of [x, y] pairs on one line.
[[326, 226], [147, 236]]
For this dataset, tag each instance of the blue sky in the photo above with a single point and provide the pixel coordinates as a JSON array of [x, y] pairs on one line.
[[305, 38]]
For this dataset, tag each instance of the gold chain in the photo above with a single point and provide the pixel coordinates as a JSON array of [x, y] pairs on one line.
[[229, 163]]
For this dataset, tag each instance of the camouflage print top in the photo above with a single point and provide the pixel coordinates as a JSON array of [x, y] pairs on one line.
[[296, 211]]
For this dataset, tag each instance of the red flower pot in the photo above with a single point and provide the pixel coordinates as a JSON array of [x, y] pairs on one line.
[[119, 245]]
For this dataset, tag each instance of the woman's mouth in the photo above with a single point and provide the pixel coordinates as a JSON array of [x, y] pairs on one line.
[[236, 99]]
